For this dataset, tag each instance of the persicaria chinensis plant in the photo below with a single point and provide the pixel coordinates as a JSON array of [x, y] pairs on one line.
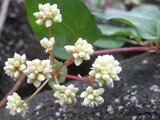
[[104, 70], [38, 71]]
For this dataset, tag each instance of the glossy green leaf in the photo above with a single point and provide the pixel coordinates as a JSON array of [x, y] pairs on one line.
[[112, 30], [110, 42], [64, 70], [77, 21], [149, 10], [146, 27]]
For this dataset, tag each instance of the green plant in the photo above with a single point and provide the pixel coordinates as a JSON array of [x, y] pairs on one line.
[[143, 24], [56, 26]]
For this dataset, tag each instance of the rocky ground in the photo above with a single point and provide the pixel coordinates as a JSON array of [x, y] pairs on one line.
[[134, 97]]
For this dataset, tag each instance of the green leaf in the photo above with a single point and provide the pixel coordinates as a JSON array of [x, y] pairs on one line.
[[77, 21], [112, 30], [64, 70], [109, 42], [148, 10], [145, 26]]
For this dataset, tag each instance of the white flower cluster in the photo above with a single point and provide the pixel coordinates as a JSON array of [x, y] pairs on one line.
[[92, 97], [47, 43], [16, 105], [37, 71], [80, 51], [14, 66], [66, 94], [105, 70], [48, 13]]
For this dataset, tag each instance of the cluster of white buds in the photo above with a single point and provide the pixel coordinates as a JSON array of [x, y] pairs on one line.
[[14, 66], [66, 95], [80, 51], [92, 97], [105, 69], [16, 105], [47, 43], [37, 71], [48, 13]]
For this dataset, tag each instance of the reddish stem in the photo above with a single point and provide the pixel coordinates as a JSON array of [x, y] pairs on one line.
[[14, 88], [74, 77], [64, 64], [38, 90], [52, 56], [49, 33], [127, 49], [120, 50]]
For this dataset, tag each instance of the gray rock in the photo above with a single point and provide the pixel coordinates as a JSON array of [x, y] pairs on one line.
[[134, 97]]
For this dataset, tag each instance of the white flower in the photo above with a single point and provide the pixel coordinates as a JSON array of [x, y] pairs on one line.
[[37, 71], [80, 51], [47, 43], [15, 65], [92, 97], [66, 94], [105, 70], [48, 14], [16, 105]]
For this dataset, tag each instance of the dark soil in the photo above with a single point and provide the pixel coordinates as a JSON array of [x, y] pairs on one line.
[[134, 97]]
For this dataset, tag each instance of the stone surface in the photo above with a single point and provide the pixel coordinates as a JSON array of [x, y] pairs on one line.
[[134, 97]]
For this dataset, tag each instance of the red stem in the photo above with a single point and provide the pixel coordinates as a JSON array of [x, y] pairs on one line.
[[52, 56], [38, 90], [119, 50], [127, 49], [64, 64], [14, 88], [74, 77]]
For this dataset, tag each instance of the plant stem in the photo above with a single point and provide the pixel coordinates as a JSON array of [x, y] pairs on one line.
[[52, 59], [127, 49], [64, 64], [52, 51], [56, 79], [49, 33], [14, 88], [92, 82], [74, 77], [120, 50], [38, 90]]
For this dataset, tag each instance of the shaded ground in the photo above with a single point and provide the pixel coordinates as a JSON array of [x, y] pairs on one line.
[[135, 97]]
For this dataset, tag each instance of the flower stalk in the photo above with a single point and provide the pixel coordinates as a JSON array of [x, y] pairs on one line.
[[75, 77], [14, 88], [38, 90]]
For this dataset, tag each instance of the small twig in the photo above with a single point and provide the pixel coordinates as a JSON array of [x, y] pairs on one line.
[[52, 56], [49, 33], [14, 88], [62, 65], [121, 50], [92, 82], [3, 14], [56, 79], [38, 90], [74, 77]]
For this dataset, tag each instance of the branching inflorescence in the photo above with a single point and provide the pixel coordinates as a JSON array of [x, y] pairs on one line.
[[104, 70]]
